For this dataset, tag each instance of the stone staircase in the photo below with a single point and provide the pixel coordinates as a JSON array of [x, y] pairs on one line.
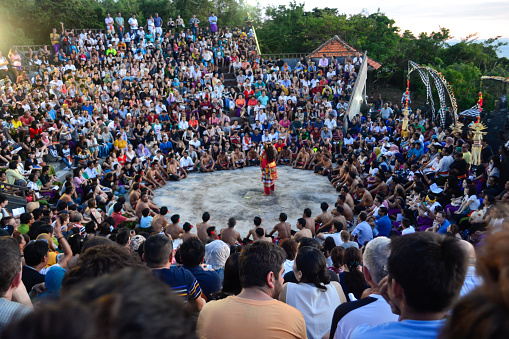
[[231, 81]]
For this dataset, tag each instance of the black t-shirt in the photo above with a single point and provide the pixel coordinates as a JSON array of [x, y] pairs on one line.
[[44, 179], [486, 153], [31, 277], [107, 183], [20, 97], [460, 166]]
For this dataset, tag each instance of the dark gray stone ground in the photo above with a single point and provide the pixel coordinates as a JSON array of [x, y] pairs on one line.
[[238, 194]]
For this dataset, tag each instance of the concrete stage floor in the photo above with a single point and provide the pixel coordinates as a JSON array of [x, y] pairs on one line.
[[238, 194]]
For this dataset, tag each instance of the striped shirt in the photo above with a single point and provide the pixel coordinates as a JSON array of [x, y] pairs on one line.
[[181, 282], [11, 311]]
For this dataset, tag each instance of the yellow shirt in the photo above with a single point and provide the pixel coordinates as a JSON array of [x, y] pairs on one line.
[[468, 157], [120, 144], [17, 124], [236, 317]]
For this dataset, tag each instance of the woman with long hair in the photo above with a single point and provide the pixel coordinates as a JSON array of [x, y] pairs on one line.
[[351, 279], [315, 296], [268, 166]]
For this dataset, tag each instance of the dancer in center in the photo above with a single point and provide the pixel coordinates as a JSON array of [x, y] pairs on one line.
[[268, 165]]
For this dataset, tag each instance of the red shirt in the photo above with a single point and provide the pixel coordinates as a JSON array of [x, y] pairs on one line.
[[252, 102], [122, 160], [248, 93], [118, 218], [26, 121], [279, 146], [235, 139]]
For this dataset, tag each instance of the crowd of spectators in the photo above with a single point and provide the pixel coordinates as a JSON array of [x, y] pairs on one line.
[[129, 109]]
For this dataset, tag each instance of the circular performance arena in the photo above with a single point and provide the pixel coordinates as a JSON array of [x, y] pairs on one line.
[[238, 194]]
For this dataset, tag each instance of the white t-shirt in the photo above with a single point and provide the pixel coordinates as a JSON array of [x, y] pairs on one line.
[[474, 203], [91, 173], [133, 23], [336, 237], [408, 230], [186, 162], [364, 311], [288, 266], [316, 306]]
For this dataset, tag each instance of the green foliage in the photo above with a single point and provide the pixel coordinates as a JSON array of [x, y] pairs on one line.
[[465, 79]]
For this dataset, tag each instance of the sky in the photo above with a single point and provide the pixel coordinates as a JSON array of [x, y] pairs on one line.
[[461, 17]]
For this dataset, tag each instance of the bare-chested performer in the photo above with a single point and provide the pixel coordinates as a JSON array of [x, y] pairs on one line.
[[173, 229], [134, 195], [341, 177], [324, 166], [283, 228], [302, 158], [230, 235], [154, 174], [260, 232], [207, 163], [253, 158], [303, 232], [337, 216], [337, 171], [187, 232], [143, 203], [222, 162], [201, 228], [347, 210], [252, 232], [352, 181], [159, 165], [175, 170], [238, 158], [364, 199], [324, 217], [159, 222], [314, 160], [285, 156], [348, 197], [310, 222]]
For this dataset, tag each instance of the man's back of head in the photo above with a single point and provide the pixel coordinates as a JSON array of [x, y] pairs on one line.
[[430, 269], [158, 249], [232, 222], [123, 236], [35, 252], [205, 217], [256, 262], [192, 252]]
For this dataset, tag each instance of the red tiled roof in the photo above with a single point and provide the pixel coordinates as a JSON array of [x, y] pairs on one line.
[[337, 47]]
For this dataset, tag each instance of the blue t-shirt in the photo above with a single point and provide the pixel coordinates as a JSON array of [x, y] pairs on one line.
[[443, 228], [181, 281], [384, 226], [146, 221], [364, 232], [256, 138], [157, 21], [209, 281], [404, 329]]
